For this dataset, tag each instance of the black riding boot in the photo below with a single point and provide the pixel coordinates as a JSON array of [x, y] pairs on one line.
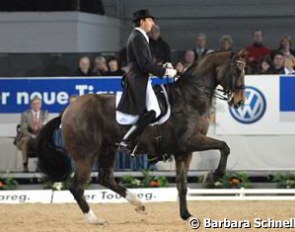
[[127, 143]]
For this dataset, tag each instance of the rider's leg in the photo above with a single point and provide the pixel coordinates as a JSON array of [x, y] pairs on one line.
[[136, 130]]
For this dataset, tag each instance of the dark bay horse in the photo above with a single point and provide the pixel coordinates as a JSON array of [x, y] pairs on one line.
[[90, 131]]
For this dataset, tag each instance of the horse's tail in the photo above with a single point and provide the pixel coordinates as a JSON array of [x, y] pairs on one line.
[[53, 161]]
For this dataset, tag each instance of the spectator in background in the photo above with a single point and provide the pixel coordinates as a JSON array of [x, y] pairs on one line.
[[159, 47], [100, 66], [84, 67], [278, 63], [114, 68], [201, 49], [289, 64], [286, 46], [265, 66], [189, 57], [226, 43], [256, 51], [32, 121]]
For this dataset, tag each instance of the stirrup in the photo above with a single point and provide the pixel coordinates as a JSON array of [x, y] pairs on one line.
[[132, 155], [125, 147]]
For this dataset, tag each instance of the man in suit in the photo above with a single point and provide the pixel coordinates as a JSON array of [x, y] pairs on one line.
[[201, 49], [137, 84], [32, 121]]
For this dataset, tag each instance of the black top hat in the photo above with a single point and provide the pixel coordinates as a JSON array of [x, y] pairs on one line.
[[141, 14]]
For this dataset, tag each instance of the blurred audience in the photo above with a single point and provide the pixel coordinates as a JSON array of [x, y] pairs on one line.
[[265, 66], [226, 43], [260, 59], [201, 46], [159, 47], [188, 58], [31, 123], [84, 68], [278, 63], [100, 66], [114, 67], [289, 64], [256, 51], [286, 46]]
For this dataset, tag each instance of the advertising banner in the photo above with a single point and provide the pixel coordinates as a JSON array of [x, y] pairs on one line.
[[269, 108], [25, 196], [15, 95], [108, 196]]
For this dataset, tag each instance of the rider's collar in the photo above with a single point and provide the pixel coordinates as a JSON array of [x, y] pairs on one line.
[[143, 33]]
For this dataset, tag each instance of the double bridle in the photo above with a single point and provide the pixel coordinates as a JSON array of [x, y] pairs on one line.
[[222, 94], [227, 94]]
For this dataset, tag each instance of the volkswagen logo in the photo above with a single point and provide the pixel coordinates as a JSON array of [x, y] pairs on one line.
[[254, 108]]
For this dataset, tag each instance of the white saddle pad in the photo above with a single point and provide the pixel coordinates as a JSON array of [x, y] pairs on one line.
[[128, 119]]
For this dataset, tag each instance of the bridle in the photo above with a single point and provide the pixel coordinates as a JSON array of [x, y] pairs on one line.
[[222, 94], [227, 94]]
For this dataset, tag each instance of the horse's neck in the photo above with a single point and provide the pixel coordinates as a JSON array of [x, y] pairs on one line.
[[199, 85], [186, 95]]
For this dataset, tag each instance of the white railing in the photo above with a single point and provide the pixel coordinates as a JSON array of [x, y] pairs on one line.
[[146, 195], [241, 194]]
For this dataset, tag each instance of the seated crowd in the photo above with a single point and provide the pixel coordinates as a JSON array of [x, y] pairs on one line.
[[261, 59]]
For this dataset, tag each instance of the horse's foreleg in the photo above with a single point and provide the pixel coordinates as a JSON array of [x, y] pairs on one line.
[[80, 179], [106, 178], [182, 166], [204, 143]]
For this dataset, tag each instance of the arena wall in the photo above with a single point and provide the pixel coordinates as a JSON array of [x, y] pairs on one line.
[[33, 32]]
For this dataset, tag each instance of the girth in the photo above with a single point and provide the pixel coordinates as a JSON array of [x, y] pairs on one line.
[[159, 150]]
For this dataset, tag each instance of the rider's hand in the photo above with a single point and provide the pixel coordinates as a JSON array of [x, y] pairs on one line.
[[168, 65], [170, 72]]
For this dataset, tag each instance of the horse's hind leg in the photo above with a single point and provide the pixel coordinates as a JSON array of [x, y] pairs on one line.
[[106, 178], [80, 179], [182, 166]]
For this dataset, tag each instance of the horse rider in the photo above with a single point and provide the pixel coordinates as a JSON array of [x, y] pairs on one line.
[[138, 92]]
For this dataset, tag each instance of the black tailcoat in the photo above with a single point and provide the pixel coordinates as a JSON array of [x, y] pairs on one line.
[[141, 65]]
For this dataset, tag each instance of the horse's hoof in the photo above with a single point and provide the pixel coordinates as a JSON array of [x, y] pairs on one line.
[[99, 221], [141, 209], [92, 219]]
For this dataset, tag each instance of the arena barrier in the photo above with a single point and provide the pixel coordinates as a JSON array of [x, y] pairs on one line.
[[146, 195]]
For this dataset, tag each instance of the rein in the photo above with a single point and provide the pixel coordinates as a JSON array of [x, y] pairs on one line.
[[222, 94]]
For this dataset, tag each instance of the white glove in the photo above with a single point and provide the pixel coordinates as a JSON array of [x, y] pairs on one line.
[[170, 72], [167, 65]]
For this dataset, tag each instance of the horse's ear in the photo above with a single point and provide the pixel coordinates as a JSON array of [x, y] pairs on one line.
[[243, 53]]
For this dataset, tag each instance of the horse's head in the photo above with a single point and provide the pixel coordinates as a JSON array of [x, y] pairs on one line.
[[231, 76]]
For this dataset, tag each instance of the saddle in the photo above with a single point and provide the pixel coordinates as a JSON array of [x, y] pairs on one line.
[[163, 102]]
